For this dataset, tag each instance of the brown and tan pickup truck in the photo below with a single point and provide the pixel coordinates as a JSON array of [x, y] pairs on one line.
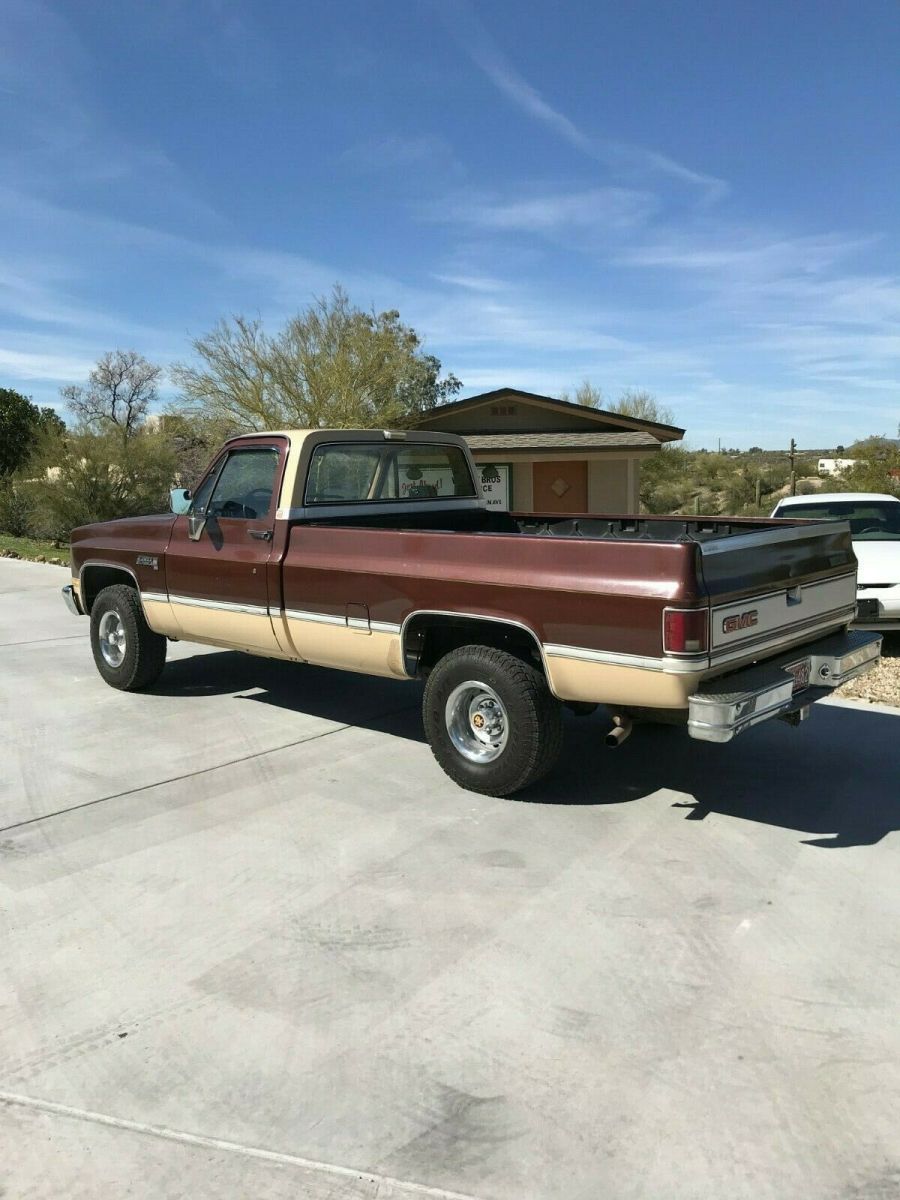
[[373, 551]]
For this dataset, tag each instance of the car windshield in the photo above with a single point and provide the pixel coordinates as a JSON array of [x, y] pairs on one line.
[[870, 520]]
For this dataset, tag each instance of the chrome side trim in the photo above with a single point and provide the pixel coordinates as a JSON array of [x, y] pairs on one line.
[[254, 610], [157, 597], [357, 623], [297, 614], [101, 562], [441, 612], [669, 666]]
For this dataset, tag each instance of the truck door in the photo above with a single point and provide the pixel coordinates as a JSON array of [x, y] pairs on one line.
[[216, 561]]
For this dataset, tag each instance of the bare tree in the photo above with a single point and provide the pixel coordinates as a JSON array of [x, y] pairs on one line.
[[118, 395]]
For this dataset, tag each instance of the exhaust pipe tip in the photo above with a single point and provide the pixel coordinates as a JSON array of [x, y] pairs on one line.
[[620, 732]]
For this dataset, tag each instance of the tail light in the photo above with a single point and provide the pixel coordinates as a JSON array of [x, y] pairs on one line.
[[685, 630]]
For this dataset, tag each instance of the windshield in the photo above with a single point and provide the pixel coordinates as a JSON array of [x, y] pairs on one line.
[[870, 520]]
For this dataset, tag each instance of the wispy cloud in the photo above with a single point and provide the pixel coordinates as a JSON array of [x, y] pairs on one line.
[[744, 253], [608, 208], [472, 283], [46, 366], [460, 17]]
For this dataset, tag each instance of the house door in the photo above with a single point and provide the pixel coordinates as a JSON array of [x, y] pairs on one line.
[[560, 487]]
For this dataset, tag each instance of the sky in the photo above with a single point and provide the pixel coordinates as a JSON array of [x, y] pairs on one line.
[[697, 199]]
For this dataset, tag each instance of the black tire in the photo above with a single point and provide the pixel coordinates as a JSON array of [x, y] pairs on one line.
[[530, 715], [143, 654]]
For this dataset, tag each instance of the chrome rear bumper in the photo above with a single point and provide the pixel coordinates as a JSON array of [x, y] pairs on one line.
[[724, 707], [72, 603]]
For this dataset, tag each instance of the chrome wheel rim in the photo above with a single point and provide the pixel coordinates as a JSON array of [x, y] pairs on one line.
[[112, 638], [476, 721]]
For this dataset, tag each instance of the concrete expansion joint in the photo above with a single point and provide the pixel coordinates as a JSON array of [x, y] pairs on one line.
[[69, 637], [224, 1144], [232, 762]]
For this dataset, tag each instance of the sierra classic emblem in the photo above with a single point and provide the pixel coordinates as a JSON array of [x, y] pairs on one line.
[[744, 620]]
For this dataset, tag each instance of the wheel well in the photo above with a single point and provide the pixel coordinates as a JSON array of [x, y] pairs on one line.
[[429, 636], [97, 576]]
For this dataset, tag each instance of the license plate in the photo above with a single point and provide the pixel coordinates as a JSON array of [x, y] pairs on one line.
[[800, 672]]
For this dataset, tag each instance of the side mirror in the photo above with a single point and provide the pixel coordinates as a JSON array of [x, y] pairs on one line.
[[180, 500]]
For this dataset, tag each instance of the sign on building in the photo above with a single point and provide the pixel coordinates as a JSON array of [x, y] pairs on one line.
[[493, 479]]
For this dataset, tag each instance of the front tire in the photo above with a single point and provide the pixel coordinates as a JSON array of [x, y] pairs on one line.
[[491, 721], [128, 654]]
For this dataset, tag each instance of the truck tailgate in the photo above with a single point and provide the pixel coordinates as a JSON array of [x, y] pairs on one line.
[[777, 587]]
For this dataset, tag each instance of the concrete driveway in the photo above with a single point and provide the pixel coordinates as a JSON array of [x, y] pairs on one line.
[[255, 944]]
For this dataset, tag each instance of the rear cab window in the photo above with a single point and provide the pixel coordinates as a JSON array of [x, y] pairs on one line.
[[373, 473]]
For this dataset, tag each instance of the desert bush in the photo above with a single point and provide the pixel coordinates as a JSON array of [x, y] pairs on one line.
[[87, 477], [15, 509]]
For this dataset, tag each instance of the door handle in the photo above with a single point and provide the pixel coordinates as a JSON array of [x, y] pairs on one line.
[[263, 535]]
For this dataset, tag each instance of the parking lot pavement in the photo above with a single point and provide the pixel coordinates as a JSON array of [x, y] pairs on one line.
[[256, 944]]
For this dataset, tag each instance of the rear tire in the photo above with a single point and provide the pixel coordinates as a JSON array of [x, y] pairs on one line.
[[128, 654], [491, 721]]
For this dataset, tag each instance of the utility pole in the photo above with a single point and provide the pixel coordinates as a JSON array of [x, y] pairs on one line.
[[793, 452]]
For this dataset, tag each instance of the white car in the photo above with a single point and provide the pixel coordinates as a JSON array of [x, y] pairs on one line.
[[875, 530]]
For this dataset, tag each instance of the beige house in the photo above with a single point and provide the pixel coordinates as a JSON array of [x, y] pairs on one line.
[[539, 454]]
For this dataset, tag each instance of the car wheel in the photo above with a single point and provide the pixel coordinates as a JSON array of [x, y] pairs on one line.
[[128, 654], [491, 720]]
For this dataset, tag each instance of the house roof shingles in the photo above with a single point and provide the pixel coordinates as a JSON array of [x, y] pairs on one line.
[[562, 441]]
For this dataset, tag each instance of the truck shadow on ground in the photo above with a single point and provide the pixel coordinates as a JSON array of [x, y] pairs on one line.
[[836, 777]]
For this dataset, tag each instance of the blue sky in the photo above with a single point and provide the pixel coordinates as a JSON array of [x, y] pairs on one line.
[[699, 199]]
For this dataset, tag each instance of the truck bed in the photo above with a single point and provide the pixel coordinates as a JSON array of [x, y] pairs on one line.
[[590, 587]]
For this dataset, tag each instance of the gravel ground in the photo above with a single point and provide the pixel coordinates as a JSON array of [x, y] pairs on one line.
[[883, 684]]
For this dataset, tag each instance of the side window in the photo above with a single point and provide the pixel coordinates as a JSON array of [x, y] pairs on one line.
[[245, 484], [201, 496]]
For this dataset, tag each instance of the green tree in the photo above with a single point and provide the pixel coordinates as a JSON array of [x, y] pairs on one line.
[[644, 406], [87, 476], [666, 483], [877, 460], [587, 394], [21, 425], [193, 438], [119, 392], [331, 366]]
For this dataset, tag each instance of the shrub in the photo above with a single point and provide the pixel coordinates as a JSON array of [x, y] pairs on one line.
[[15, 509], [90, 477]]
